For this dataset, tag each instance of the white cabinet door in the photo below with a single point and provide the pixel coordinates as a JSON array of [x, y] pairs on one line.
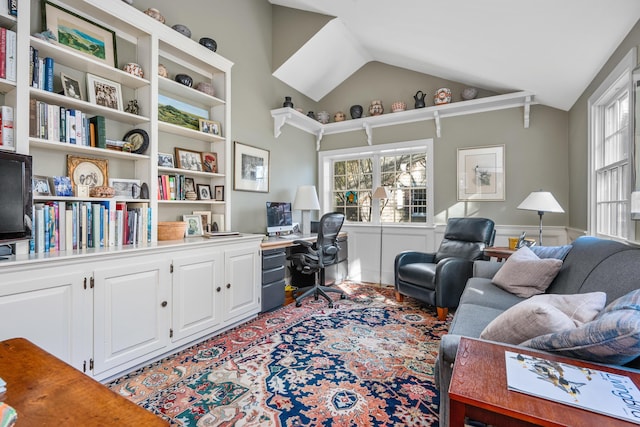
[[48, 307], [131, 310], [242, 265], [198, 277]]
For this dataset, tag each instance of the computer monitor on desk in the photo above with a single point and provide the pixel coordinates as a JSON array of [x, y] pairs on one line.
[[279, 218]]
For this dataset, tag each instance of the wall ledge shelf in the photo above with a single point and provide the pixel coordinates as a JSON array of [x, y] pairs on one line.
[[282, 116]]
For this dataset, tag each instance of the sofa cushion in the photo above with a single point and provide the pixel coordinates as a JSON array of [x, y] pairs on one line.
[[558, 252], [525, 275], [482, 292], [543, 314], [612, 337]]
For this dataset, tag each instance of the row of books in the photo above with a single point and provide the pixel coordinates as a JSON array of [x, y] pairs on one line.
[[65, 226], [172, 187], [6, 126], [55, 123], [8, 48], [40, 70]]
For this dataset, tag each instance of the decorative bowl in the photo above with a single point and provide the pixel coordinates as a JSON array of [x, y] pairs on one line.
[[398, 106], [182, 29], [209, 43], [184, 79], [442, 96], [171, 230], [155, 14], [205, 88], [469, 93], [102, 191]]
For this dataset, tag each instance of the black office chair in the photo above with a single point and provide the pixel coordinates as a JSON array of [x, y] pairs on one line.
[[317, 256]]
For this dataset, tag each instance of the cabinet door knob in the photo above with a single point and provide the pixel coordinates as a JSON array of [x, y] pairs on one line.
[[228, 285], [164, 303], [218, 289]]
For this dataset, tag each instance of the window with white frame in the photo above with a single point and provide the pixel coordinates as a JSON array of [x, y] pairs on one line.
[[610, 139], [350, 176]]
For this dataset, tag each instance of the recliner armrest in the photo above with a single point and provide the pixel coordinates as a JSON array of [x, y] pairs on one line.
[[410, 257], [451, 278]]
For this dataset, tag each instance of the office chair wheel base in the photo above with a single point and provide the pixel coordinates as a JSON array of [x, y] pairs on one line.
[[315, 297], [330, 305], [343, 296], [298, 304]]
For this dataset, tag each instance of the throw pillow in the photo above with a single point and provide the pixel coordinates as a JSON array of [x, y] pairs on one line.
[[558, 252], [525, 320], [525, 275], [580, 308], [612, 337]]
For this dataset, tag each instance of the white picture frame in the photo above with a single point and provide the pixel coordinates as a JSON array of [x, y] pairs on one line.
[[103, 92], [125, 188], [194, 225], [481, 172]]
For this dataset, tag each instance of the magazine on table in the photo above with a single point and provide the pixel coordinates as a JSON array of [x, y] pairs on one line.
[[590, 389]]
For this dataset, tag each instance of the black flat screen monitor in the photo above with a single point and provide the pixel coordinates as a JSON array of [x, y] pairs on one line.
[[16, 199], [279, 217]]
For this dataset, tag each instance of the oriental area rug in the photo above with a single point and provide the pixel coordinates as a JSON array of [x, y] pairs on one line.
[[366, 362]]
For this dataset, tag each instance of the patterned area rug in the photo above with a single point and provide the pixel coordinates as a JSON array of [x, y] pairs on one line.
[[367, 362]]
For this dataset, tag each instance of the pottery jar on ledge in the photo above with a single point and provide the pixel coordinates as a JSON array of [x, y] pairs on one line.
[[376, 108]]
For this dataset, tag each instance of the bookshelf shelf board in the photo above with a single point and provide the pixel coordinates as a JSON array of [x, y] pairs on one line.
[[83, 149], [77, 61], [172, 88], [87, 107], [190, 133], [166, 171], [192, 202]]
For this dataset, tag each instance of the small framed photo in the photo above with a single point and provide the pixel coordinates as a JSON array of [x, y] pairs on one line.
[[189, 160], [210, 162], [219, 192], [165, 160], [61, 186], [125, 188], [71, 87], [41, 186], [204, 191], [210, 126], [104, 92], [189, 185], [194, 225], [206, 219]]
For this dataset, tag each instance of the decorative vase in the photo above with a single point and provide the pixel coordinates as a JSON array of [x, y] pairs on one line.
[[419, 98], [209, 43], [134, 69], [469, 93], [398, 106], [339, 117], [442, 96], [182, 29], [205, 87], [376, 108], [162, 71], [311, 114], [323, 117], [184, 79], [356, 111], [287, 102], [155, 14]]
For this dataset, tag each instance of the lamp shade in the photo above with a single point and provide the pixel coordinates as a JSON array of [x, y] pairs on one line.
[[381, 193], [306, 198], [541, 201]]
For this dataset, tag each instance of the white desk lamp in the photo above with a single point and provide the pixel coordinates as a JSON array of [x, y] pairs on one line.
[[541, 201], [381, 193], [306, 200]]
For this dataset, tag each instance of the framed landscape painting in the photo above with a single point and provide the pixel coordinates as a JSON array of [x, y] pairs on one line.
[[481, 173], [180, 113], [80, 34]]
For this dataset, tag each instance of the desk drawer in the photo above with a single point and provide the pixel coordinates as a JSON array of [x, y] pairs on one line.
[[273, 258], [273, 295], [273, 275]]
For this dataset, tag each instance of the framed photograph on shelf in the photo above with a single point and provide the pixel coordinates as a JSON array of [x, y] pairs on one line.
[[481, 173], [219, 192], [71, 87], [194, 225], [41, 186], [210, 162], [189, 160], [125, 188], [210, 126], [189, 185], [87, 171], [204, 191], [206, 219], [165, 160], [104, 92], [80, 34], [61, 186], [251, 171]]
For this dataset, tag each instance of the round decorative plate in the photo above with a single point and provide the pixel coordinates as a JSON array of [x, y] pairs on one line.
[[138, 139]]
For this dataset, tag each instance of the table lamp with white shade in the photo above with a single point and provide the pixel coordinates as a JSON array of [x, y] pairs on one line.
[[541, 201], [306, 200]]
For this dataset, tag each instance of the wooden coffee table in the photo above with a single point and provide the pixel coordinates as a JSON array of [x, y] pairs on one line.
[[479, 391], [45, 391]]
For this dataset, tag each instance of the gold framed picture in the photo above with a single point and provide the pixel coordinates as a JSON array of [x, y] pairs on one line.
[[87, 171]]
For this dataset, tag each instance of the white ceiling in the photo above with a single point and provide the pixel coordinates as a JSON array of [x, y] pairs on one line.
[[553, 48]]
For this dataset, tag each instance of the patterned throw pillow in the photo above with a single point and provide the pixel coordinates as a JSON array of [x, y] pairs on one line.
[[612, 337], [557, 252], [525, 275]]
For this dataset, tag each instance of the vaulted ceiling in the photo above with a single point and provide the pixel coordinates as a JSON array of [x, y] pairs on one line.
[[549, 47]]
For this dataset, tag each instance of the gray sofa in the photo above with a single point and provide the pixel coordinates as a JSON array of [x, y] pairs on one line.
[[591, 265]]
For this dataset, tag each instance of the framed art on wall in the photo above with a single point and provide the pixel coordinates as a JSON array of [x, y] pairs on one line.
[[251, 168], [481, 173], [80, 34]]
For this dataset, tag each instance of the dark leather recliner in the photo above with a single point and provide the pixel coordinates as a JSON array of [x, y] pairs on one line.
[[439, 278]]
